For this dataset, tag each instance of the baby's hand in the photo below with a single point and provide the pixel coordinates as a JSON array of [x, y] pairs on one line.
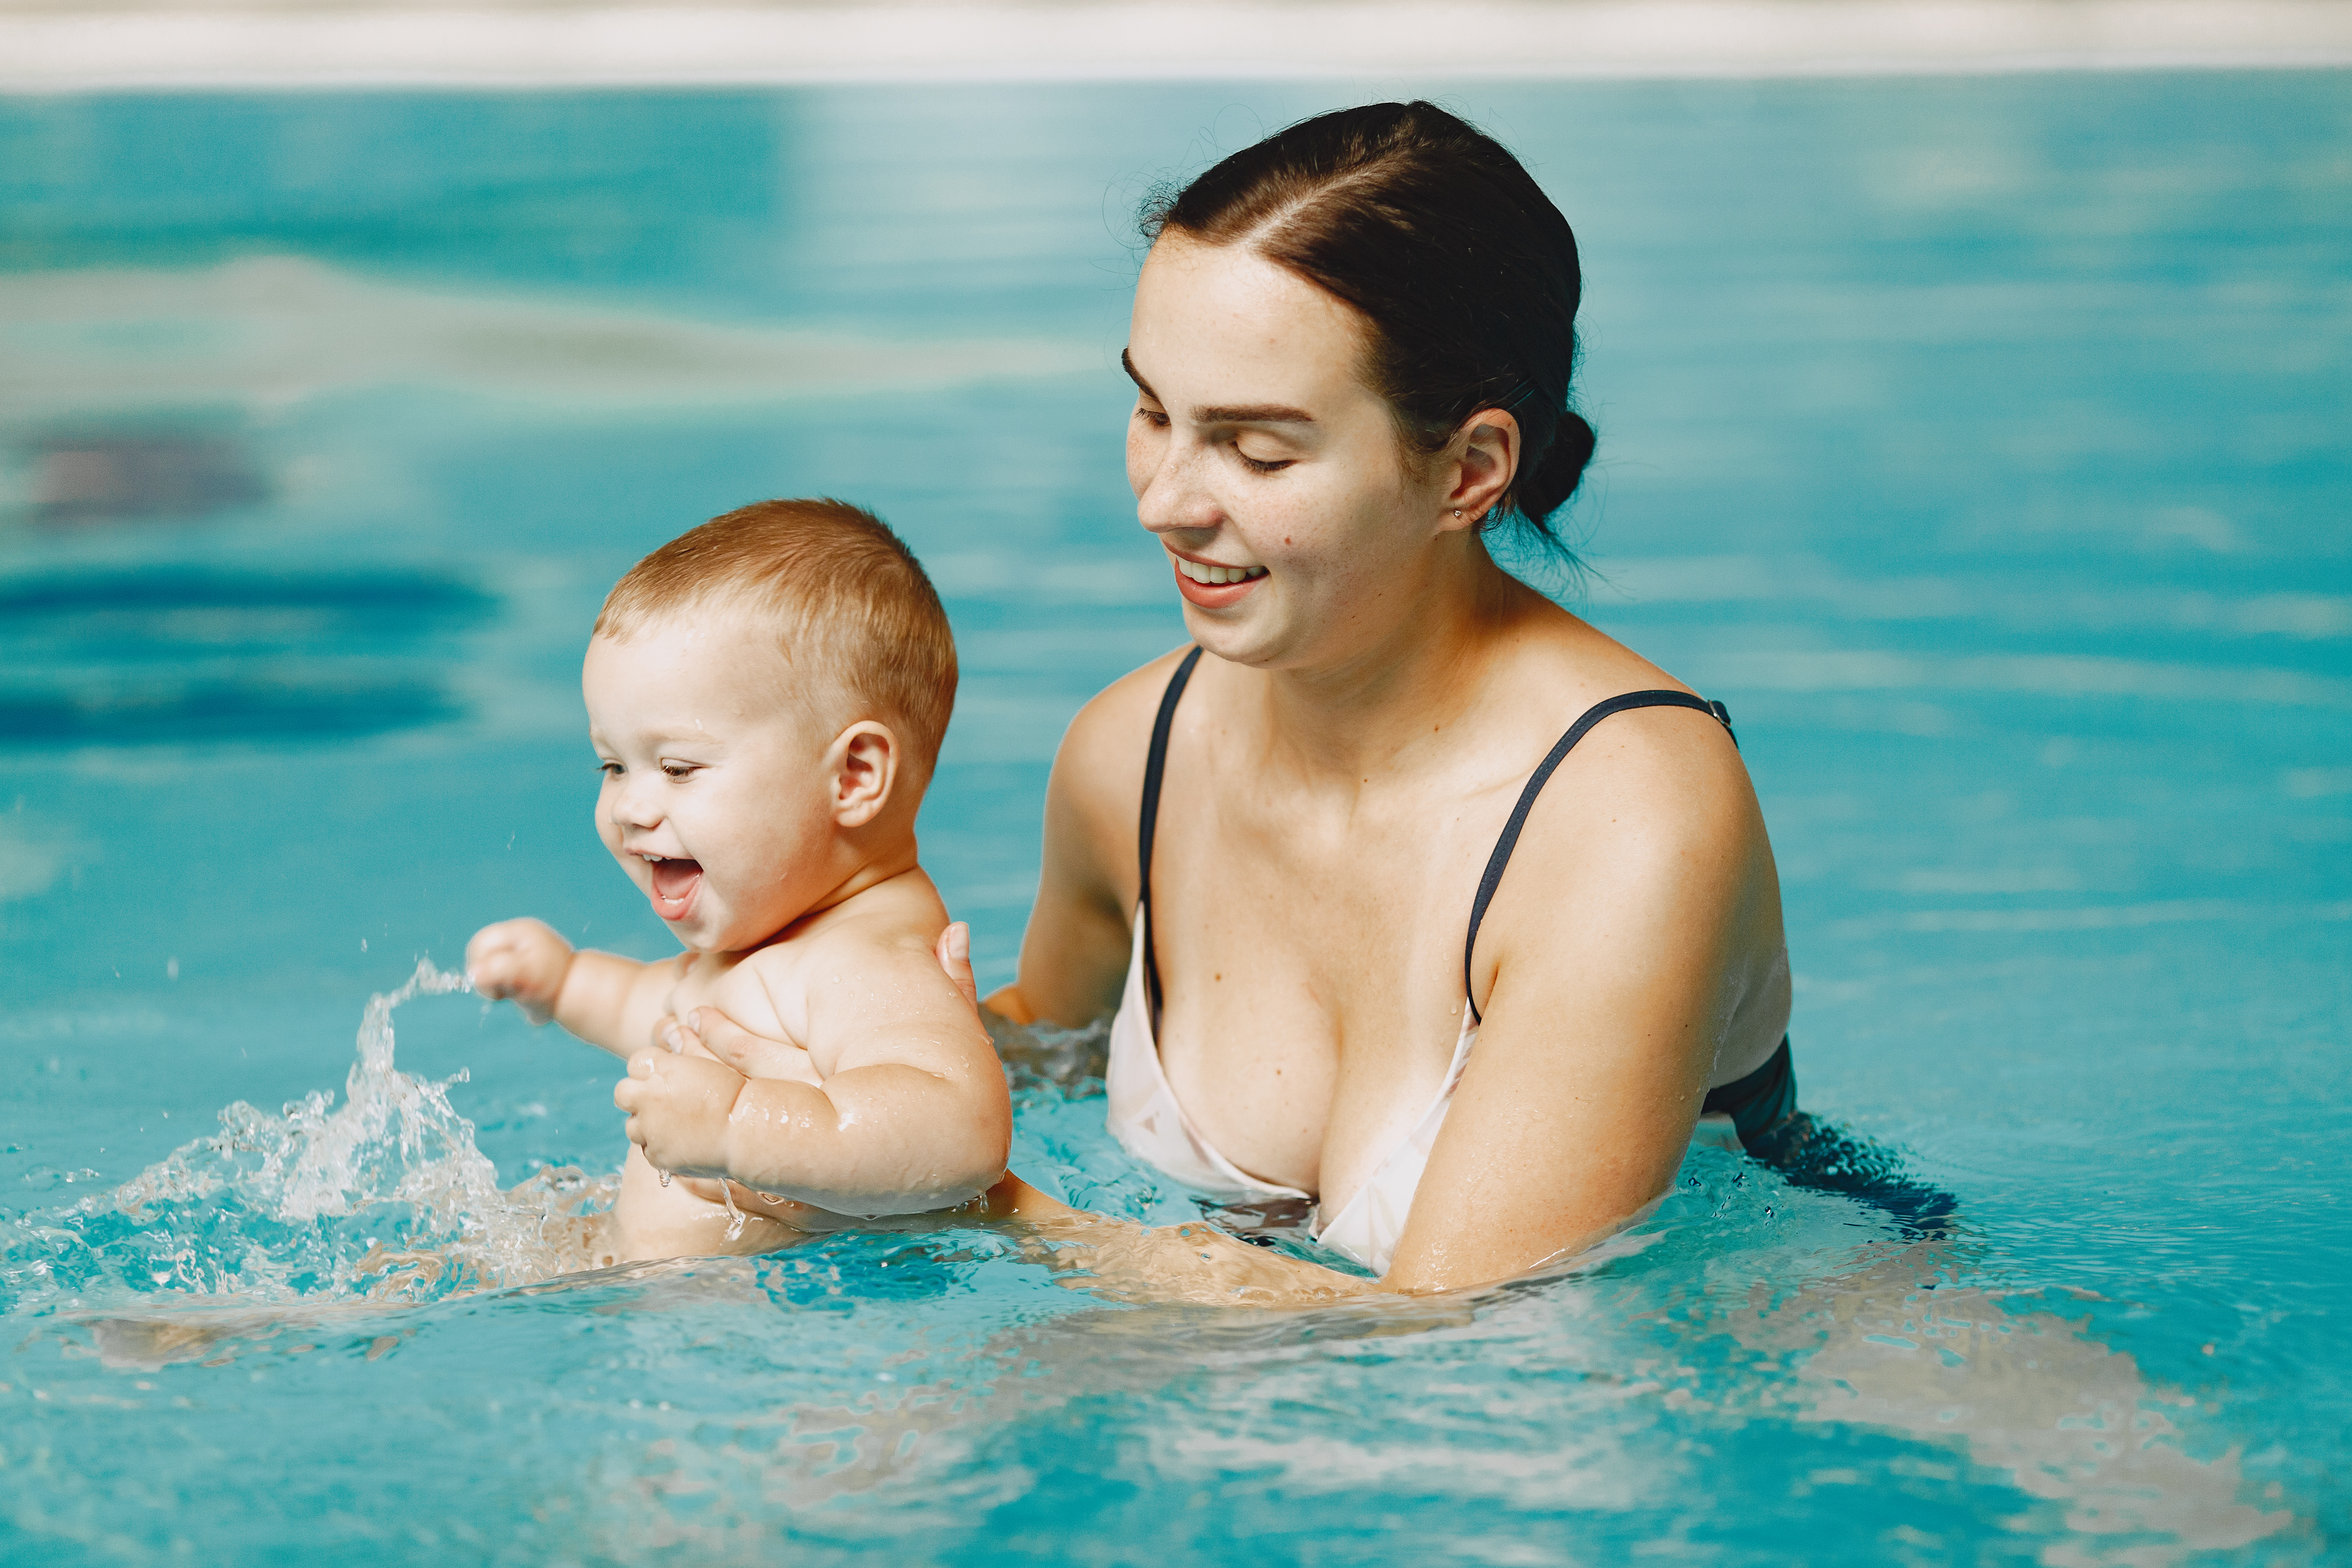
[[522, 960], [678, 1107]]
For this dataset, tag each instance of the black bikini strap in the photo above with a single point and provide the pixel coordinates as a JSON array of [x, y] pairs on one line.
[[1567, 744], [1155, 763]]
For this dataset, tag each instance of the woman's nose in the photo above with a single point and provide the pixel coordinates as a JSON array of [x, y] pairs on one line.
[[1173, 498]]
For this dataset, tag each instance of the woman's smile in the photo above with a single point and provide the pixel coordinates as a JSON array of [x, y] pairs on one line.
[[1213, 587], [1202, 572]]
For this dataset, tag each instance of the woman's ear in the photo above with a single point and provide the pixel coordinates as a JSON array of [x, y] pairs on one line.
[[863, 763], [1485, 461]]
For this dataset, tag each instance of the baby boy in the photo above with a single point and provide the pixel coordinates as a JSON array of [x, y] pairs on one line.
[[766, 695]]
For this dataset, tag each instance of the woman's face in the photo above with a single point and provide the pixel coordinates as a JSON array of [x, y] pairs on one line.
[[1270, 473]]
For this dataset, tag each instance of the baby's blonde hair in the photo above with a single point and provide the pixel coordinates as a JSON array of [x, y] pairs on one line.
[[850, 604]]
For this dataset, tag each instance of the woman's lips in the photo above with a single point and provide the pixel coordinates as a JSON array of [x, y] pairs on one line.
[[1213, 595], [674, 884]]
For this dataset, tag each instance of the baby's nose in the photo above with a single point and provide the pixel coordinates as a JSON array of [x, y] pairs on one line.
[[630, 808]]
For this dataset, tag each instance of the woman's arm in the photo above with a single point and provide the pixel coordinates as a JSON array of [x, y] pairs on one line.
[[1074, 955], [1628, 942], [1129, 1262]]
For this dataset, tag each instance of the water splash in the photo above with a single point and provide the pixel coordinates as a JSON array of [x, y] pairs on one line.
[[384, 1197], [1044, 1063]]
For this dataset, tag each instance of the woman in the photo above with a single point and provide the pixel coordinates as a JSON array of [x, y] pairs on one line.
[[1415, 895]]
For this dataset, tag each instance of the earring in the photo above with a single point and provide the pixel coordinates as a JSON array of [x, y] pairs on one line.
[[1457, 512]]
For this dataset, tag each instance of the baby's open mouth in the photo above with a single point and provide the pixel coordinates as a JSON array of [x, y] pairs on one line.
[[673, 885]]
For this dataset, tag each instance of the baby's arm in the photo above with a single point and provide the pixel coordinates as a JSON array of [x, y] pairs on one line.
[[608, 1001], [912, 1115]]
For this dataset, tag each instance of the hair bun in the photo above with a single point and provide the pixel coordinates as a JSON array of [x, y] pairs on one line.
[[1559, 470]]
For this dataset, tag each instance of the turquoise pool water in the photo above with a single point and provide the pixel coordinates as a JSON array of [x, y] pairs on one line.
[[1983, 442]]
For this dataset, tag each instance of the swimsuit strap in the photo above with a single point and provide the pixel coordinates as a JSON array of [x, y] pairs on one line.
[[1511, 838], [1154, 764]]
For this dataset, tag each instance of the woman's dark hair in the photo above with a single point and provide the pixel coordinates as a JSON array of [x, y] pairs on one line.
[[1446, 246]]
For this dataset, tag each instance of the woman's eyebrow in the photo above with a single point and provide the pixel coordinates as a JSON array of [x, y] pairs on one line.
[[1253, 414], [1136, 376], [1230, 413]]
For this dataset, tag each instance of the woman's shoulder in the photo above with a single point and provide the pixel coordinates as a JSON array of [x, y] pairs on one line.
[[1664, 761], [1111, 734], [1097, 786]]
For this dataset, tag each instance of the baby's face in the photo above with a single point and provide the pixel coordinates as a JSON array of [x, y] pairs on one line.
[[716, 800]]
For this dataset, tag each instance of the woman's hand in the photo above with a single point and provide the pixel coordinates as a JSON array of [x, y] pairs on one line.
[[1130, 1262], [954, 951], [1195, 1262], [708, 1031], [801, 1216]]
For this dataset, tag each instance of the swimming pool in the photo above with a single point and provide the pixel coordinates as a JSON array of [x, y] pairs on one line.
[[1981, 442]]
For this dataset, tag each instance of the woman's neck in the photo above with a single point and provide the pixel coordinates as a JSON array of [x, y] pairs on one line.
[[1375, 711]]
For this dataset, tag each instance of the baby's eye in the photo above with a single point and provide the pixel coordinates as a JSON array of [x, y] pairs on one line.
[[610, 770], [673, 768]]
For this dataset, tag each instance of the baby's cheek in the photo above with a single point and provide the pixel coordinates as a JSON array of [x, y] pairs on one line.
[[608, 833]]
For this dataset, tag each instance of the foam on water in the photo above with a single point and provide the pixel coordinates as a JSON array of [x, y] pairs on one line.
[[384, 1197]]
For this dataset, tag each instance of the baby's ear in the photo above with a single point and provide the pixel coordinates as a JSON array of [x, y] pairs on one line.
[[863, 763]]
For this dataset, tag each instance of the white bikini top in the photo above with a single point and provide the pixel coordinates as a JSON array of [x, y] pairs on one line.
[[1151, 1125], [1144, 1114]]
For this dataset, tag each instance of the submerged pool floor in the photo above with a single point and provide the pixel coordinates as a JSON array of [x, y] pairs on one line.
[[1981, 442]]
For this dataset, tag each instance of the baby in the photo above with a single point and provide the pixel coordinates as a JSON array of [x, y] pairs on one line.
[[766, 695]]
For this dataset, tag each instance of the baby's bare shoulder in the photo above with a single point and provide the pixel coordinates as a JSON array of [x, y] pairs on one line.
[[887, 925], [866, 981]]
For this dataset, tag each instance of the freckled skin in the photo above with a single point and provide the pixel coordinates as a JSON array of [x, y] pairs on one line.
[[806, 1046]]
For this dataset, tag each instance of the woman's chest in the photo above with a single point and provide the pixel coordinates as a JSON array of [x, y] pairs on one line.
[[1312, 988]]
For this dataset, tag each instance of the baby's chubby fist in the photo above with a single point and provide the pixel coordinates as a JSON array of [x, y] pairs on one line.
[[522, 961], [679, 1108]]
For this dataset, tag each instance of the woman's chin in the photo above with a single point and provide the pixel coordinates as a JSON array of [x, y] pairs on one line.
[[1236, 636]]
